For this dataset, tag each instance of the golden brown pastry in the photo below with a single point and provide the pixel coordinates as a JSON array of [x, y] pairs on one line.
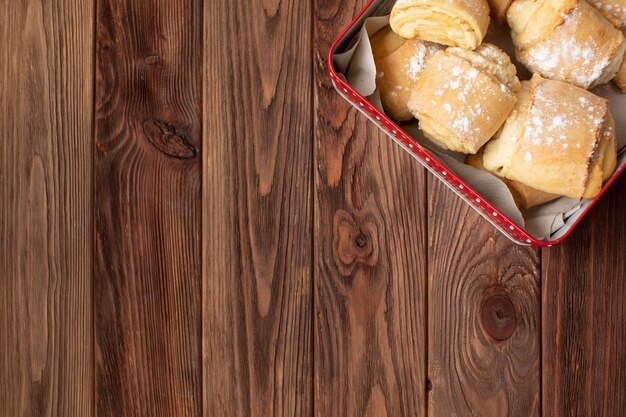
[[384, 42], [620, 78], [499, 8], [398, 72], [524, 196], [566, 40], [463, 97], [559, 139], [615, 12], [461, 23]]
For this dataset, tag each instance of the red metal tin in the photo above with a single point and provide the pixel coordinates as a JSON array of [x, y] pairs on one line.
[[502, 222]]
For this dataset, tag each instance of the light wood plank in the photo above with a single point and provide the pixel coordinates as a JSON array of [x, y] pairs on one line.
[[46, 238]]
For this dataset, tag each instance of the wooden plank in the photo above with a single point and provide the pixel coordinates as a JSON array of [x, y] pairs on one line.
[[147, 208], [257, 208], [46, 99], [584, 315], [484, 315], [370, 247]]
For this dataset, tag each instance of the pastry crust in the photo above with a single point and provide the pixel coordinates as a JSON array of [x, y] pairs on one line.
[[463, 97], [461, 23], [398, 72], [499, 8], [620, 78], [524, 196], [559, 139], [385, 42], [566, 40], [613, 10]]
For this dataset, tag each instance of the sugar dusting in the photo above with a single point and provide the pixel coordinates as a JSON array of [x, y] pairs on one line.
[[467, 113], [616, 10], [564, 56], [462, 124], [551, 119]]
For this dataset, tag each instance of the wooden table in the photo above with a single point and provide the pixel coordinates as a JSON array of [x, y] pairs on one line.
[[193, 223]]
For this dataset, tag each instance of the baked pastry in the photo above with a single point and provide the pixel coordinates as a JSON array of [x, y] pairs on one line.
[[499, 8], [566, 40], [461, 23], [384, 42], [620, 77], [398, 72], [559, 139], [615, 12], [463, 97], [524, 196]]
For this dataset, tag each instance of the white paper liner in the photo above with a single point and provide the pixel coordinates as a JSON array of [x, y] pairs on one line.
[[548, 221]]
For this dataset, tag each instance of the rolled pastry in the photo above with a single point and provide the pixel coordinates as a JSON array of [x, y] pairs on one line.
[[461, 23], [499, 8], [559, 139], [620, 78], [566, 40], [398, 72], [463, 97], [524, 196], [615, 12], [384, 42]]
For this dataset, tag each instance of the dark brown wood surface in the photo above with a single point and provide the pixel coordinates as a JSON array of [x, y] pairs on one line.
[[193, 223], [148, 141], [46, 148], [257, 209], [584, 315], [370, 256], [484, 315]]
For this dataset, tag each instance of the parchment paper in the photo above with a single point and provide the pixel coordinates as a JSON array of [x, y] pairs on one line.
[[548, 221]]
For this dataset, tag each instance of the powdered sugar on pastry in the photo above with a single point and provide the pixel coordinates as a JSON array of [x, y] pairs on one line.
[[552, 140], [399, 71], [568, 41], [423, 52], [549, 55], [460, 99], [614, 10]]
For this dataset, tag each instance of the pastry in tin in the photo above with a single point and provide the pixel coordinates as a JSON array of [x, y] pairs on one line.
[[385, 42], [566, 40], [461, 23], [524, 196], [398, 69], [499, 8], [559, 139], [463, 97], [615, 12]]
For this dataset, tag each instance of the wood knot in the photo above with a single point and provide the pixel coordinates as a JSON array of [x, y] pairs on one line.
[[498, 316], [168, 139], [152, 60], [148, 62], [354, 241]]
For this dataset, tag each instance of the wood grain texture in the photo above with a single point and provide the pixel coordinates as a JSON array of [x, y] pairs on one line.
[[147, 208], [584, 316], [484, 315], [370, 265], [46, 97], [257, 208]]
